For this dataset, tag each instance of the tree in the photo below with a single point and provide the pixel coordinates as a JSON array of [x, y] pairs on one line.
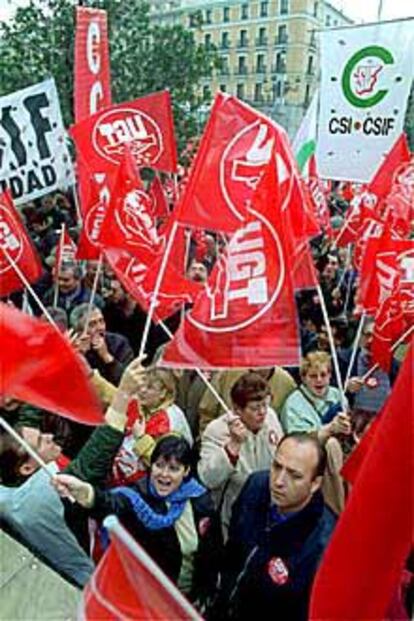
[[145, 57]]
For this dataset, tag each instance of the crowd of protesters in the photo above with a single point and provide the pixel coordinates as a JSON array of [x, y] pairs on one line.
[[236, 505]]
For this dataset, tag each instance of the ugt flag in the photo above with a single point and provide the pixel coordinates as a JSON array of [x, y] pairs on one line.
[[34, 158], [367, 73]]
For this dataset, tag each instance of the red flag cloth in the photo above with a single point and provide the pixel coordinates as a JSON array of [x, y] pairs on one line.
[[145, 124], [38, 365], [247, 316], [159, 206], [125, 586], [362, 565], [92, 75], [89, 246], [378, 271], [66, 249], [234, 150], [319, 198], [128, 223], [381, 183], [389, 327], [15, 241]]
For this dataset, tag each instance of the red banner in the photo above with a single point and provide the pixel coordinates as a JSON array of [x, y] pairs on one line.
[[38, 365], [15, 247], [235, 148], [145, 124], [379, 509], [92, 74], [247, 316], [381, 183]]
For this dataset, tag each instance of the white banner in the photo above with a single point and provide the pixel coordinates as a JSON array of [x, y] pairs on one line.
[[34, 159], [366, 79]]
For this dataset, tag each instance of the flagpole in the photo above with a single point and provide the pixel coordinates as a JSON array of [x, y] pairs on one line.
[[379, 14], [332, 347], [155, 293], [58, 266], [354, 349], [113, 525], [201, 375], [393, 348], [30, 289], [76, 201], [93, 292]]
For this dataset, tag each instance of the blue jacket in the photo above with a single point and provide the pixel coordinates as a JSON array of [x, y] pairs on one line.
[[257, 545]]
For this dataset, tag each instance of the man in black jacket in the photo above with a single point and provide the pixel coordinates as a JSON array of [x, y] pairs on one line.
[[278, 532]]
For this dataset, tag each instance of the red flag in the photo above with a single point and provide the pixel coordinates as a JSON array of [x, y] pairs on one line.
[[381, 183], [66, 249], [127, 584], [247, 316], [145, 124], [235, 148], [89, 246], [318, 198], [159, 205], [38, 365], [378, 273], [15, 241], [139, 279], [374, 533], [92, 77], [389, 327], [128, 223]]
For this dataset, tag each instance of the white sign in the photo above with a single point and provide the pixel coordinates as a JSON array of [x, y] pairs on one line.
[[367, 73], [34, 159]]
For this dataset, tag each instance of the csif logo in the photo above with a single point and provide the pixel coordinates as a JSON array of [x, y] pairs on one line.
[[362, 74]]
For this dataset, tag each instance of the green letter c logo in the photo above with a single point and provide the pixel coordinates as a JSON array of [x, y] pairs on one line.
[[372, 50]]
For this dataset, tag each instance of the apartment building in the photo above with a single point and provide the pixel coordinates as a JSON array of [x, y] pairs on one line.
[[269, 48]]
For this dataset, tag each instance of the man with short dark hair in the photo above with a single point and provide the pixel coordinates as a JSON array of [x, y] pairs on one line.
[[239, 443], [279, 529]]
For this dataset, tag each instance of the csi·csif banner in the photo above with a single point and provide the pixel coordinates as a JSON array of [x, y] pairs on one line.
[[92, 76], [367, 74], [34, 159]]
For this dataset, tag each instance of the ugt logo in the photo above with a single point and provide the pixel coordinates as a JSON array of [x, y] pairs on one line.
[[242, 165], [129, 126], [10, 241], [361, 76], [134, 219]]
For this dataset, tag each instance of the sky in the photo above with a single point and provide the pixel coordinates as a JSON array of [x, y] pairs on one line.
[[359, 10]]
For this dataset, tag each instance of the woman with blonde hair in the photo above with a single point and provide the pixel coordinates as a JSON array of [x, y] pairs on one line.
[[151, 414]]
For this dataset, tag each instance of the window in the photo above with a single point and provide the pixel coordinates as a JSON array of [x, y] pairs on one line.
[[240, 91], [277, 91], [310, 65], [223, 88], [284, 7], [243, 42], [282, 36], [264, 9], [242, 65], [244, 11], [207, 40], [226, 14], [258, 92], [307, 95], [206, 92], [208, 16], [315, 9], [224, 65], [225, 40], [262, 39], [281, 62], [260, 63], [328, 20]]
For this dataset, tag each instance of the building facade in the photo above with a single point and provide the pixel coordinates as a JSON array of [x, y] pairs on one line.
[[269, 48]]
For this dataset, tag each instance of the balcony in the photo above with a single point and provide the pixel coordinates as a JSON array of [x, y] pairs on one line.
[[242, 44], [262, 69], [262, 42], [282, 40], [241, 71], [225, 45], [279, 68]]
